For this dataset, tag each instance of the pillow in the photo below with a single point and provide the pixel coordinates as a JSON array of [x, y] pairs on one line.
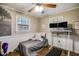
[[40, 39], [34, 39], [37, 36]]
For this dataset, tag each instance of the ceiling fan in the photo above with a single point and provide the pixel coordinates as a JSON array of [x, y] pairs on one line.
[[41, 6]]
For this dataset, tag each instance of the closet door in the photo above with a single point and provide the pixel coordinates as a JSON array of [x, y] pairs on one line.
[[60, 41], [55, 42], [76, 46], [69, 45]]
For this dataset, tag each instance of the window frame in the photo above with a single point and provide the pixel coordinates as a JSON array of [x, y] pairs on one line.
[[22, 31]]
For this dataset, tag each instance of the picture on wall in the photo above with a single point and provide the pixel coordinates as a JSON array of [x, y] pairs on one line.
[[5, 22], [77, 25]]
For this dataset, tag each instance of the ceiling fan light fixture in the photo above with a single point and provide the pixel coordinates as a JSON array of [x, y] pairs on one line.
[[39, 9]]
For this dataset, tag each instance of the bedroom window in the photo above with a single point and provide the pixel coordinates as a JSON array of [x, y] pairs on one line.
[[22, 24]]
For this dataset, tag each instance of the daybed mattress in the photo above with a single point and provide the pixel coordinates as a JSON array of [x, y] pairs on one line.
[[28, 47]]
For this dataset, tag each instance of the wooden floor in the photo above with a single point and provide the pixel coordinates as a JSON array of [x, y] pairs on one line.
[[43, 52], [13, 54]]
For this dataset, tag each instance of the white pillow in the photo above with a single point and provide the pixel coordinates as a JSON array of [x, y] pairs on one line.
[[34, 37], [37, 36]]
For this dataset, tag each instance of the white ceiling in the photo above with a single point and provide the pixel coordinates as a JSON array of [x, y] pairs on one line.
[[24, 7]]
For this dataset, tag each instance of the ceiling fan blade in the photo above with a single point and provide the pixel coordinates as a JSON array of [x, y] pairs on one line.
[[31, 9], [49, 5]]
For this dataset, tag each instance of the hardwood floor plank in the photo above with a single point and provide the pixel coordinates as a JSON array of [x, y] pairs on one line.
[[43, 52]]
